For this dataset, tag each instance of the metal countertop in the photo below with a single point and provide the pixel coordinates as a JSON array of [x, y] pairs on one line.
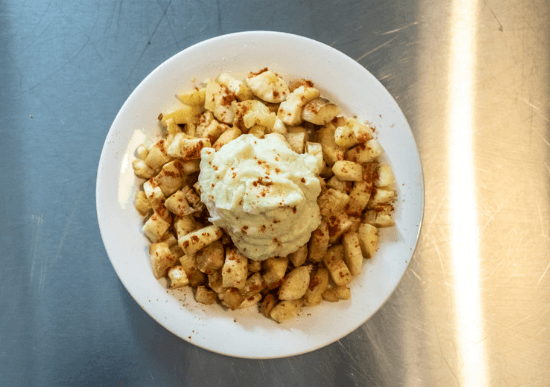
[[471, 76]]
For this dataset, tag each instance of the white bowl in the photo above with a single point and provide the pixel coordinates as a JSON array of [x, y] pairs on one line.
[[246, 333]]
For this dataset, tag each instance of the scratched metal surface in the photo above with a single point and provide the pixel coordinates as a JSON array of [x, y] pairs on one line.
[[472, 79]]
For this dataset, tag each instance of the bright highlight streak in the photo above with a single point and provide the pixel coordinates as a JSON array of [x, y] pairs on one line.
[[463, 213]]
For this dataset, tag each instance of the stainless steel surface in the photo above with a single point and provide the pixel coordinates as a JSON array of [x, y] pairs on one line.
[[471, 77]]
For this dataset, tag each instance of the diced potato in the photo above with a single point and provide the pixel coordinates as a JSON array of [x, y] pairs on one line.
[[368, 239], [184, 225], [379, 217], [213, 131], [364, 153], [275, 269], [298, 258], [342, 292], [299, 82], [340, 224], [250, 113], [331, 151], [318, 244], [178, 278], [187, 149], [215, 282], [254, 266], [353, 255], [155, 227], [358, 198], [337, 184], [205, 295], [170, 178], [257, 130], [254, 284], [279, 126], [183, 115], [193, 97], [227, 136], [285, 310], [177, 204], [380, 197], [190, 166], [316, 288], [296, 141], [196, 240], [332, 202], [352, 133], [267, 86], [348, 170], [142, 152], [210, 258], [295, 284], [153, 193], [334, 262], [316, 149], [385, 177], [187, 262], [268, 304], [235, 269], [320, 111], [250, 301], [142, 170], [161, 259], [232, 298], [290, 111], [190, 129], [330, 295], [218, 100], [141, 203], [157, 154], [241, 91]]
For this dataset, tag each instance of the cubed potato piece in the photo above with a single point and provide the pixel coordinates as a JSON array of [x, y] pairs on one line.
[[364, 153], [183, 226], [352, 133], [368, 239], [316, 149], [142, 152], [190, 166], [342, 292], [155, 227], [267, 86], [254, 266], [337, 184], [241, 91], [267, 305], [320, 111], [178, 278], [295, 284], [331, 151], [215, 282], [380, 197], [161, 259], [285, 310], [353, 255], [142, 170], [358, 198], [157, 154], [227, 136], [235, 269], [153, 193], [340, 224], [296, 141], [250, 301], [385, 177], [210, 258], [183, 115], [330, 295], [196, 240], [290, 111], [298, 258], [187, 149], [279, 126], [205, 296], [275, 269], [254, 284], [177, 204], [348, 170], [334, 262], [318, 244], [317, 286], [141, 203], [257, 130], [218, 100], [299, 82], [187, 262], [250, 113], [170, 178], [213, 131], [232, 298], [169, 239], [379, 217], [332, 202], [193, 97]]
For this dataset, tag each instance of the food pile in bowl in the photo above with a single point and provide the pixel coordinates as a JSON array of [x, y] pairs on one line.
[[261, 194]]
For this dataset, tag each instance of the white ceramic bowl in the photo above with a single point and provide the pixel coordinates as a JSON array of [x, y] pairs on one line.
[[246, 333]]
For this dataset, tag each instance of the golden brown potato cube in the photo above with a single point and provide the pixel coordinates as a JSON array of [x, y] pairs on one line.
[[268, 304], [196, 240], [368, 239], [332, 202], [300, 82], [250, 113], [330, 295], [227, 136], [213, 131], [187, 149], [215, 281], [358, 198], [142, 170], [267, 86], [285, 310], [250, 301], [177, 204], [385, 177], [155, 227], [161, 259], [183, 115], [348, 170], [170, 178], [380, 197], [296, 141], [254, 284], [205, 295], [241, 91], [210, 258], [187, 262], [352, 133], [254, 266], [190, 166], [295, 284], [331, 151], [353, 255], [275, 269], [342, 292], [218, 100], [298, 258], [316, 288], [178, 278], [183, 226], [141, 203], [339, 224], [193, 97], [318, 244], [364, 153], [257, 130], [233, 298], [334, 262], [235, 269], [153, 193], [379, 216], [320, 111], [157, 154], [337, 184]]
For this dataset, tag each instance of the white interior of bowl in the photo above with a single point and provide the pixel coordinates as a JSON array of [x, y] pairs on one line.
[[246, 333]]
